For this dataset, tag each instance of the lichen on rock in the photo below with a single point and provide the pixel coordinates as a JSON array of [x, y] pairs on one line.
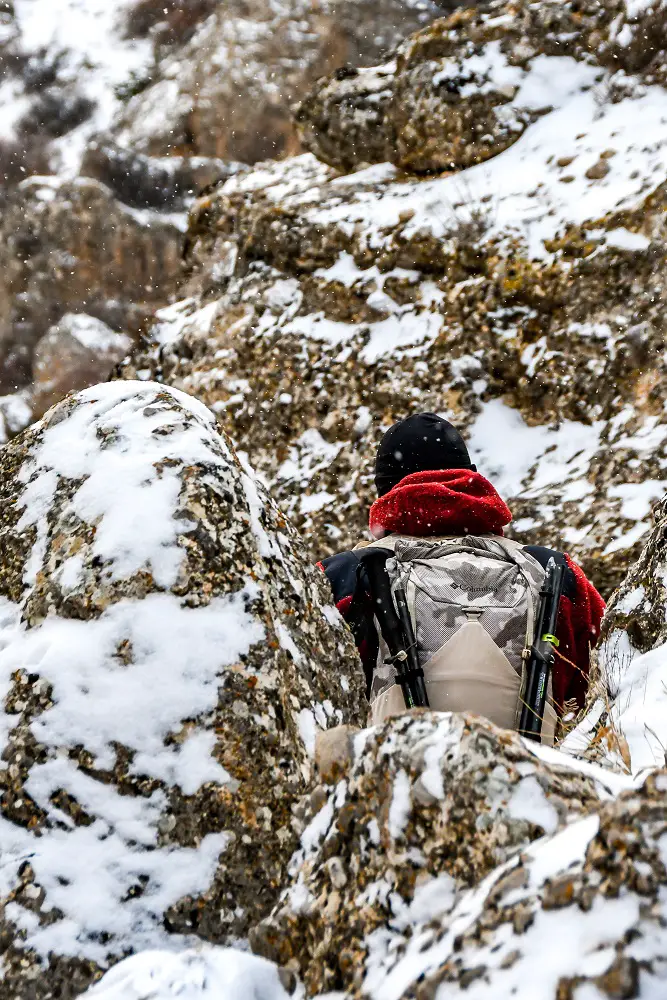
[[168, 656], [431, 805]]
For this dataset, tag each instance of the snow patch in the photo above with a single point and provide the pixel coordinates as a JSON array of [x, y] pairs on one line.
[[557, 456], [120, 441], [524, 184], [204, 973]]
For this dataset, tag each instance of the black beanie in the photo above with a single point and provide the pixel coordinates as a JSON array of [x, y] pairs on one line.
[[420, 443]]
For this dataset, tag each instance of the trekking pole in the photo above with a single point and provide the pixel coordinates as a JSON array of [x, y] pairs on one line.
[[416, 673], [399, 639], [542, 653]]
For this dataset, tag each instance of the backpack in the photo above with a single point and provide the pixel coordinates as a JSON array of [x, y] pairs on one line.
[[472, 601]]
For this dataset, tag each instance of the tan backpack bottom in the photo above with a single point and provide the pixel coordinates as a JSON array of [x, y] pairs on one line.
[[469, 674]]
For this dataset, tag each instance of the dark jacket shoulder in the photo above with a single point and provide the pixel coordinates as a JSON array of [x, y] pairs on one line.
[[341, 571]]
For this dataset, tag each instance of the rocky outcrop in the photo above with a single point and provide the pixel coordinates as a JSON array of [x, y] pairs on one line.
[[271, 56], [168, 657], [323, 308], [467, 87], [581, 911], [432, 804], [578, 912], [91, 90], [71, 247]]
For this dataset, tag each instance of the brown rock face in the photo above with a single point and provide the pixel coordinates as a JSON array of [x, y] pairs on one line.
[[228, 92], [71, 247], [169, 656]]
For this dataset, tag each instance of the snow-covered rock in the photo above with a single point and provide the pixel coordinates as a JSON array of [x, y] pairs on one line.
[[523, 297], [580, 914], [431, 805], [465, 88], [625, 725], [167, 657], [458, 92], [89, 87]]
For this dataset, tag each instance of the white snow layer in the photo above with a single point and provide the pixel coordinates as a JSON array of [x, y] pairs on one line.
[[131, 501], [205, 973], [638, 710], [111, 442], [570, 448]]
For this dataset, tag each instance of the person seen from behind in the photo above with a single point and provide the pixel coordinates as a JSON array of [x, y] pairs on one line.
[[472, 594]]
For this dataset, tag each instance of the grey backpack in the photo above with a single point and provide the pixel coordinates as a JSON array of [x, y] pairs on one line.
[[472, 601]]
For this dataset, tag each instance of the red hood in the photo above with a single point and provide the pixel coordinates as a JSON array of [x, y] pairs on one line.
[[446, 502]]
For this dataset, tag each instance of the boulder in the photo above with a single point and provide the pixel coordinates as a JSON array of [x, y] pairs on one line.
[[461, 90], [168, 656], [70, 246], [77, 352], [345, 120], [466, 87], [432, 803], [15, 413]]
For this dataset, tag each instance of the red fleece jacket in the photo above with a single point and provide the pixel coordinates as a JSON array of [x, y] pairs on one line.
[[459, 502]]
